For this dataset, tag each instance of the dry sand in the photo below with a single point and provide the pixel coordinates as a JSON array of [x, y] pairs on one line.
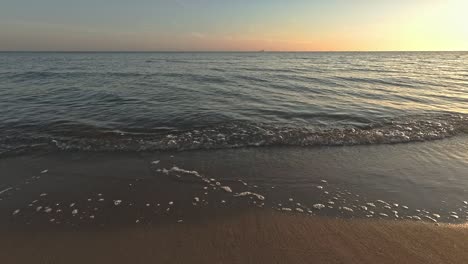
[[256, 237]]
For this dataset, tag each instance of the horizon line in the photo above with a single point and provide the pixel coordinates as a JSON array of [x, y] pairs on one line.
[[220, 51]]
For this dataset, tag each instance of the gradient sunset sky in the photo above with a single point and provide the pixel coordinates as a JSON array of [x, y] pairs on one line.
[[237, 25]]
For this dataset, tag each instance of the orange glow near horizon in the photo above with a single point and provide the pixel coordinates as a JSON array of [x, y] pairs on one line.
[[298, 25]]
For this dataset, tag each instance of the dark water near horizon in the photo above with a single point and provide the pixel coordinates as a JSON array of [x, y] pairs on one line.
[[179, 101]]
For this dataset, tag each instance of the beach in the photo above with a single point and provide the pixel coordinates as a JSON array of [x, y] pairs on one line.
[[251, 237], [102, 189], [233, 157], [195, 207]]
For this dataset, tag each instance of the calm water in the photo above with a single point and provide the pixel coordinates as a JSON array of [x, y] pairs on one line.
[[159, 101]]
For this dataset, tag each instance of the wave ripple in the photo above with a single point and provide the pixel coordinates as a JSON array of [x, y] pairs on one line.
[[241, 134]]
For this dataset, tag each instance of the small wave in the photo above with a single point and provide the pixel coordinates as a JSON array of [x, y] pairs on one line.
[[252, 79], [178, 61], [44, 75], [49, 75], [245, 134], [271, 70], [383, 81]]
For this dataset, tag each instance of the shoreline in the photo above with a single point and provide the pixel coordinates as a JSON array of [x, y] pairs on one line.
[[146, 194], [81, 190], [254, 237]]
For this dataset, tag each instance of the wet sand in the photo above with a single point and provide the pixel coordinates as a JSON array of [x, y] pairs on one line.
[[253, 237], [84, 189], [83, 207]]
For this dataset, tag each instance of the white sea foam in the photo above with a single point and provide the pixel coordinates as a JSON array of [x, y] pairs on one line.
[[243, 182], [258, 196], [176, 169], [383, 202], [430, 218], [6, 190], [226, 188], [318, 206]]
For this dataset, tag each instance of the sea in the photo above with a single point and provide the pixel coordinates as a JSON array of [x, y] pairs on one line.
[[297, 132]]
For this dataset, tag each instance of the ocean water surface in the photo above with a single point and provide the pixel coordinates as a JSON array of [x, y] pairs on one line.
[[180, 101], [128, 138]]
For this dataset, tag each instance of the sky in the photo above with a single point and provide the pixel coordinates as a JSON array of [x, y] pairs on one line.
[[234, 25]]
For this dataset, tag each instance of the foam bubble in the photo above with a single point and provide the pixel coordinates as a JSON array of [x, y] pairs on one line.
[[299, 210], [318, 206], [256, 195], [6, 190]]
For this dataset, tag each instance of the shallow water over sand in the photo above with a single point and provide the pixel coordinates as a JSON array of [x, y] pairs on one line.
[[417, 181]]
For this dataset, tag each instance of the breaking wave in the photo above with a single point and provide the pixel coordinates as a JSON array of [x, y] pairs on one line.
[[79, 137]]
